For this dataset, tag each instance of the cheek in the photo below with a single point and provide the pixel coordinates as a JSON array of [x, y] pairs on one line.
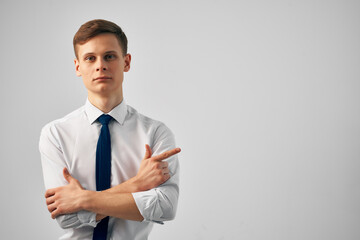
[[87, 77], [86, 72]]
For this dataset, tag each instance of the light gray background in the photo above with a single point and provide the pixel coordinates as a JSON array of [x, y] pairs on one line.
[[263, 96]]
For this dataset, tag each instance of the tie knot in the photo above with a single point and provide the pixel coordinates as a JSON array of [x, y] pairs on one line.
[[104, 119]]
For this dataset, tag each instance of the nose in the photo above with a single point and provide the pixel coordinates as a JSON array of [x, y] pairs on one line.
[[101, 65]]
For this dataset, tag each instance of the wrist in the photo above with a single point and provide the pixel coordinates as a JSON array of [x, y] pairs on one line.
[[86, 200], [133, 185], [129, 186]]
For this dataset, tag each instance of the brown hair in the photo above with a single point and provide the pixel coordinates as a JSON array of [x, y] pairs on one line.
[[95, 27]]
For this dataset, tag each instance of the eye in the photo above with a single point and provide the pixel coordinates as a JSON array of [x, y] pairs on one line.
[[89, 58], [110, 57]]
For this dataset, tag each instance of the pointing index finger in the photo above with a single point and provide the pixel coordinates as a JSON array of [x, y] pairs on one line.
[[166, 154]]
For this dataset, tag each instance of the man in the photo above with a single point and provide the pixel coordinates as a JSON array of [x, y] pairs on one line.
[[102, 183]]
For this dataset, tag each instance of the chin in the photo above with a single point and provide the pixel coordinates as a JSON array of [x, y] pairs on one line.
[[106, 91]]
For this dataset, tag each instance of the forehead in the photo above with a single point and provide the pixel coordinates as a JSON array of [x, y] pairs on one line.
[[100, 44]]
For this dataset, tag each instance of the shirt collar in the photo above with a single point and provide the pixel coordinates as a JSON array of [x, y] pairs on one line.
[[118, 113]]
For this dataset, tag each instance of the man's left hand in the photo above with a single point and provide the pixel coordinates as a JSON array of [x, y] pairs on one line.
[[65, 199]]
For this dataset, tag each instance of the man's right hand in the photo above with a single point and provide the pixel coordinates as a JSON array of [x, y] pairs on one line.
[[153, 170]]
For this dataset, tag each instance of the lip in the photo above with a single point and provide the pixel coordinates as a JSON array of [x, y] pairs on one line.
[[102, 78]]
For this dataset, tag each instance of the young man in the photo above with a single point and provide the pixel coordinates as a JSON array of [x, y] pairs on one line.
[[110, 172]]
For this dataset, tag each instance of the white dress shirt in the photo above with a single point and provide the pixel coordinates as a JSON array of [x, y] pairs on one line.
[[71, 142]]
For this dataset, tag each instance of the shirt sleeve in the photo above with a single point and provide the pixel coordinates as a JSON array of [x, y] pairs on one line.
[[53, 163], [160, 203]]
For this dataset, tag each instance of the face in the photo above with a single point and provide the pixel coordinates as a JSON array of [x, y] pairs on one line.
[[101, 65]]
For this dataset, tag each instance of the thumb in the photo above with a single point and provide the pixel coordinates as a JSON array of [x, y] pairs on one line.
[[67, 175], [148, 151]]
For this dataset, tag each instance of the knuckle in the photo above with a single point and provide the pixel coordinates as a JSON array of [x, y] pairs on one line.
[[159, 180], [164, 178]]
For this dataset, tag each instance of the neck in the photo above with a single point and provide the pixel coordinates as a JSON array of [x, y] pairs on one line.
[[105, 103]]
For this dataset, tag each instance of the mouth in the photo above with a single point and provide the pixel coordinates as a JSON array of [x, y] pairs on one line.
[[102, 78]]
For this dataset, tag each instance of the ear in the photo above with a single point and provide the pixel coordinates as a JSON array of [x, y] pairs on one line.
[[77, 67], [127, 59]]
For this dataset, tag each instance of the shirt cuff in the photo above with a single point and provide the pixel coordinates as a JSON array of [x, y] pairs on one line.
[[147, 203], [87, 218], [77, 220]]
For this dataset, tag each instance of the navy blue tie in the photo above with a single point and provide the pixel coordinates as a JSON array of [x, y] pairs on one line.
[[103, 170]]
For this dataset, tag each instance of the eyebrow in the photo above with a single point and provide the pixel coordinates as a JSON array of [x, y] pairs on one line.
[[91, 53], [112, 51]]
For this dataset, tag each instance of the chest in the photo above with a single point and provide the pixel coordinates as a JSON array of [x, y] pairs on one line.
[[127, 151]]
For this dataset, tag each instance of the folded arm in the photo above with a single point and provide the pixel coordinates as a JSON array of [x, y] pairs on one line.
[[117, 201], [157, 204]]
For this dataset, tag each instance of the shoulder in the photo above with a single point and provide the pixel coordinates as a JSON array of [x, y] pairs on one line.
[[67, 122], [158, 130], [147, 122]]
